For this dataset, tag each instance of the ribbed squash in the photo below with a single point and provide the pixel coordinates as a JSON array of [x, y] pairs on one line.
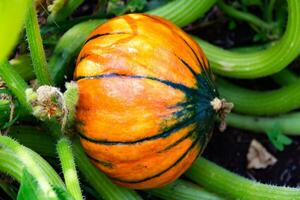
[[145, 92]]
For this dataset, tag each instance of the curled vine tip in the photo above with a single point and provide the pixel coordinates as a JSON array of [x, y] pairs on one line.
[[222, 108]]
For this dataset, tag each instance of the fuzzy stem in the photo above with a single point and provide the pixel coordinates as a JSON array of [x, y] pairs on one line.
[[288, 123], [254, 102], [71, 99], [260, 63], [223, 182], [99, 181], [15, 83], [66, 157], [30, 163], [181, 189], [183, 12], [252, 19], [36, 47]]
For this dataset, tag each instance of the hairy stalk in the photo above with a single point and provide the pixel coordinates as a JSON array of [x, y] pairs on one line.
[[36, 47], [260, 63], [252, 19], [288, 123], [181, 189], [223, 182], [25, 156], [248, 101], [66, 157], [99, 181], [183, 12]]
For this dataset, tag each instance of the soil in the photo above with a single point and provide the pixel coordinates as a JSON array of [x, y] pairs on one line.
[[229, 149]]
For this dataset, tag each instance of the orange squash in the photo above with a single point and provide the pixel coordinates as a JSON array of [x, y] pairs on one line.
[[144, 109]]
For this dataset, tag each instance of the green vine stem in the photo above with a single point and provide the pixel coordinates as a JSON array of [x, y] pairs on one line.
[[288, 123], [36, 47], [99, 181], [30, 160], [10, 164], [66, 157], [248, 101], [252, 19], [67, 9], [181, 189], [183, 12], [15, 83], [223, 182], [260, 63], [285, 77]]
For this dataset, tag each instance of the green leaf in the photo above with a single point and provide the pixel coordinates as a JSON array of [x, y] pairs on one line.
[[277, 138], [29, 188], [12, 16]]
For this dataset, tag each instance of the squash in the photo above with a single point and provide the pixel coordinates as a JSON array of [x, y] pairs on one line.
[[145, 91]]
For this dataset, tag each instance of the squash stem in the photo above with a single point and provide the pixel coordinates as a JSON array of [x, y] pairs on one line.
[[252, 19], [222, 108], [181, 189], [288, 123], [254, 102], [221, 181], [36, 47], [66, 157], [99, 181], [25, 157], [259, 63]]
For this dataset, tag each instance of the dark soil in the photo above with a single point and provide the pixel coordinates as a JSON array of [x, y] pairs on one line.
[[229, 149]]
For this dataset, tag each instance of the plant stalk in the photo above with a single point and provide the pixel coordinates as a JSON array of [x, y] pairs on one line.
[[66, 157], [36, 47]]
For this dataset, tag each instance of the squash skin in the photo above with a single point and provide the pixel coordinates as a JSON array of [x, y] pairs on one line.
[[144, 112]]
